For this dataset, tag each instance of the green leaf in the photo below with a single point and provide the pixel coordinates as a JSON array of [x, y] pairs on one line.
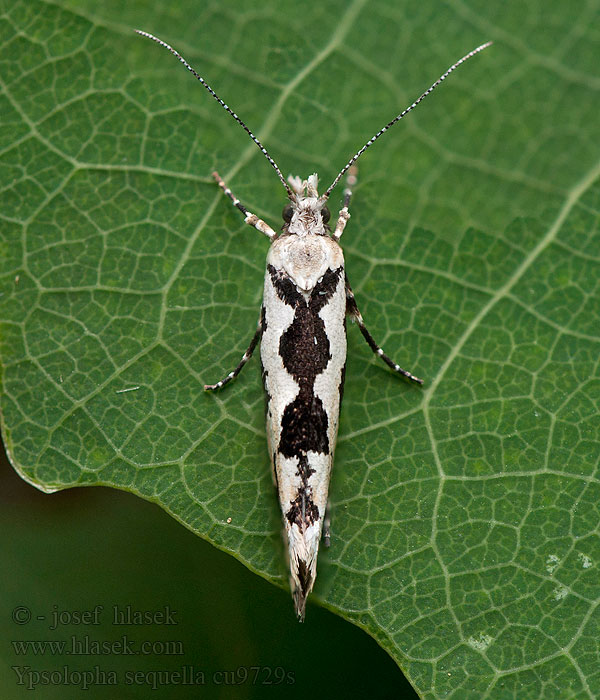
[[465, 516]]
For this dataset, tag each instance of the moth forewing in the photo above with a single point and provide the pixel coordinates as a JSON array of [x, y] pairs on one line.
[[302, 333], [303, 354]]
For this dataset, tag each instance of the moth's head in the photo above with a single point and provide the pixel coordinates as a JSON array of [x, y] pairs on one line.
[[307, 213]]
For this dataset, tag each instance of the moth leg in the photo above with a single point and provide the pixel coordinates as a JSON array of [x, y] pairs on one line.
[[249, 218], [247, 355], [344, 214], [327, 525], [352, 310]]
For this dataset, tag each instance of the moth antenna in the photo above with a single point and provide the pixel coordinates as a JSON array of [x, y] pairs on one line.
[[372, 140], [220, 101]]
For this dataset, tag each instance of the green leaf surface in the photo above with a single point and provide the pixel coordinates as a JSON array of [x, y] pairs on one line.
[[465, 515]]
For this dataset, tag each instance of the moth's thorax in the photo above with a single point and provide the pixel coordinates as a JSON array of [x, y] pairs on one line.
[[305, 259]]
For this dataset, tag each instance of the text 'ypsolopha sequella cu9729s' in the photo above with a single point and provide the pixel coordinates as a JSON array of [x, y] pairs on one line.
[[302, 334]]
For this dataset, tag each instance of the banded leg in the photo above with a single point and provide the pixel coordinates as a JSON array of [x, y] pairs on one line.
[[352, 310], [247, 355], [249, 218], [344, 214]]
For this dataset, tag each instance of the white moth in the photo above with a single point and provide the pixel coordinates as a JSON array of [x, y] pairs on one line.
[[302, 330]]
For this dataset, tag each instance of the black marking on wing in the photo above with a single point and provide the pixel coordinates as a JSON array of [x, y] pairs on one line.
[[324, 290], [303, 511], [305, 352], [320, 295], [264, 375], [304, 347], [285, 288], [341, 387], [304, 576], [304, 427], [275, 472], [300, 593]]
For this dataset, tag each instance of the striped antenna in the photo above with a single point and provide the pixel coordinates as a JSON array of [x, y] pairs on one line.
[[372, 140], [220, 101]]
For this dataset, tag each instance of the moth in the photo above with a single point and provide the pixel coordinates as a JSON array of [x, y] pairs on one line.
[[302, 334]]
